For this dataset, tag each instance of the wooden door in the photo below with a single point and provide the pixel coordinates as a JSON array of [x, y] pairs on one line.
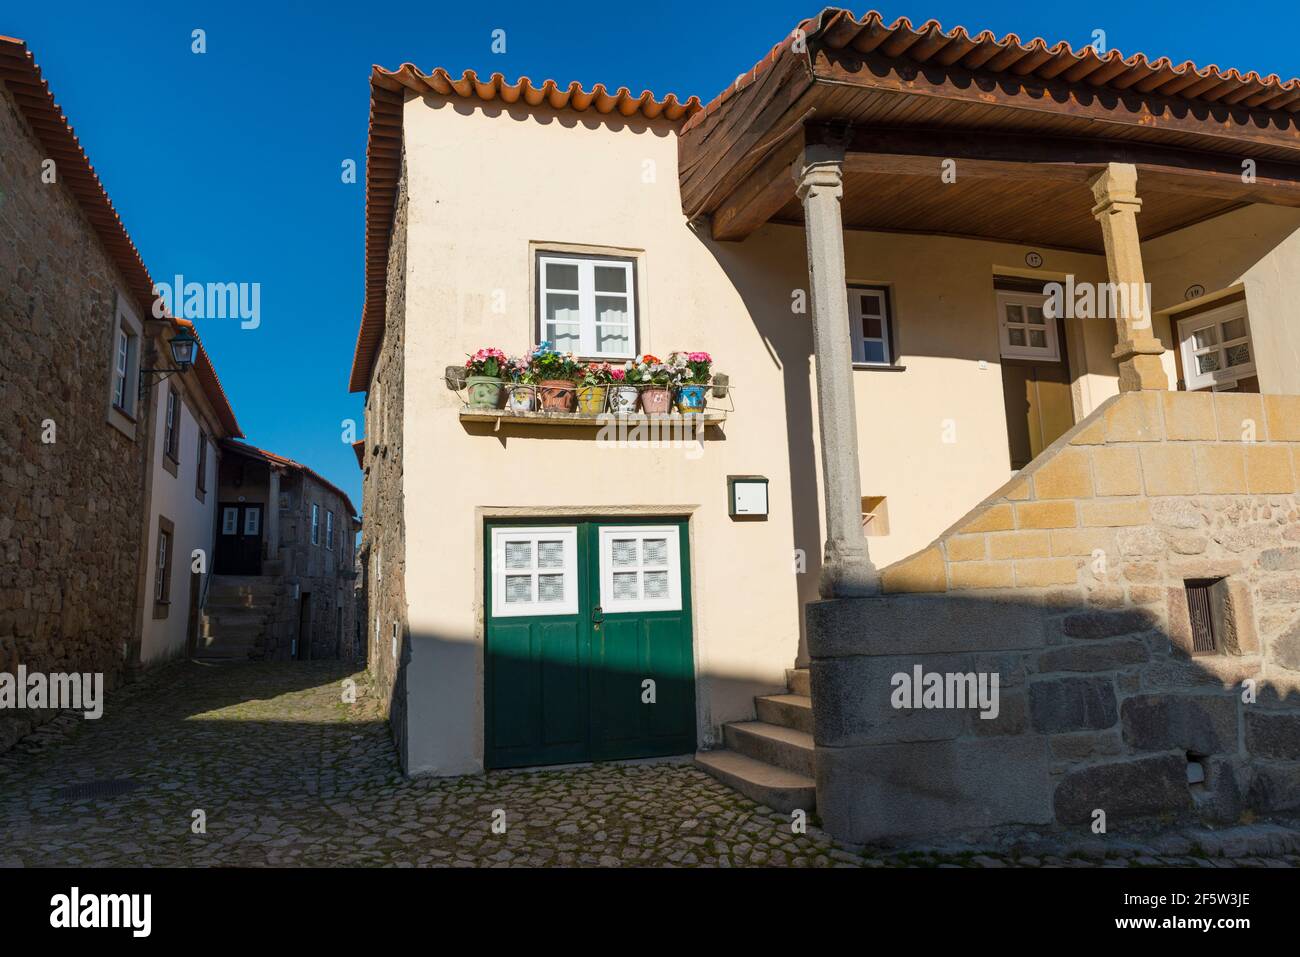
[[588, 643], [239, 539]]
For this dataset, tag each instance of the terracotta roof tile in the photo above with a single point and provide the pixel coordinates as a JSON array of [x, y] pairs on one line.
[[22, 77], [838, 29]]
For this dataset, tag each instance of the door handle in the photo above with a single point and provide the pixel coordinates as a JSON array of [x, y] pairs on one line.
[[597, 615]]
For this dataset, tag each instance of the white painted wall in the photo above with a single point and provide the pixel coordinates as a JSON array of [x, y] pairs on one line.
[[173, 496]]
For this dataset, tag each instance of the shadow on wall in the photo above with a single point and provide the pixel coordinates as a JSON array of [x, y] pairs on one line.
[[561, 694], [1098, 711]]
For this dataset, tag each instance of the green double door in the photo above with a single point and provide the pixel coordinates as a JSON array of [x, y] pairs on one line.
[[588, 642]]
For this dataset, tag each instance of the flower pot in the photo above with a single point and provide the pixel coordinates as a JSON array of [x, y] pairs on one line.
[[591, 399], [654, 399], [520, 398], [556, 395], [690, 398], [484, 391], [622, 399]]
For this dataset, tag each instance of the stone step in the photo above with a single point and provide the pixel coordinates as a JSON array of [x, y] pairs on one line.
[[772, 744], [787, 710], [233, 632], [798, 681], [236, 616], [779, 789]]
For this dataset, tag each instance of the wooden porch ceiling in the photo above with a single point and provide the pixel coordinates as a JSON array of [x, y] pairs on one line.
[[1024, 148]]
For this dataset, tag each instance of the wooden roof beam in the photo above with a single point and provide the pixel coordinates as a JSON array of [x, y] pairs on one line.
[[762, 193], [1068, 160]]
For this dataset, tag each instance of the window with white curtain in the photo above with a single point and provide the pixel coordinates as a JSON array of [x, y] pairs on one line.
[[587, 305], [1215, 347], [534, 571], [640, 568]]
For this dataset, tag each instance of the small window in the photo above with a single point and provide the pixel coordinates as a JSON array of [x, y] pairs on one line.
[[1026, 331], [315, 524], [172, 425], [230, 521], [162, 574], [534, 571], [640, 568], [869, 323], [201, 472], [1215, 347], [329, 530], [253, 520], [587, 306], [123, 361]]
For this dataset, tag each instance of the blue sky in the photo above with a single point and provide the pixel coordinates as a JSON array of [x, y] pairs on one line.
[[226, 166]]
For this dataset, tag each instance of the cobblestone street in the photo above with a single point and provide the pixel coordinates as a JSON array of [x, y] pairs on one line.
[[285, 773]]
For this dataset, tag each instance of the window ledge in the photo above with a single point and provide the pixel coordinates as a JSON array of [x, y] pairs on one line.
[[709, 417], [878, 367]]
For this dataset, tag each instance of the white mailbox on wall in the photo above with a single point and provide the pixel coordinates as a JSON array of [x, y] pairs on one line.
[[747, 496]]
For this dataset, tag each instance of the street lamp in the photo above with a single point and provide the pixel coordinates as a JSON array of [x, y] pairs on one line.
[[182, 347]]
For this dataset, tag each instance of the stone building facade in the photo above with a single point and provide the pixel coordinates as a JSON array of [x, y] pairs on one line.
[[303, 561], [385, 632], [71, 480], [1077, 584]]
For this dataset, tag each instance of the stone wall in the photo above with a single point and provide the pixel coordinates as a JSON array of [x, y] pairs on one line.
[[384, 535], [1069, 584], [70, 509]]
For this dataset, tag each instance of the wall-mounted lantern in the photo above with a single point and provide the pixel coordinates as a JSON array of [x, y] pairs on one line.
[[182, 347]]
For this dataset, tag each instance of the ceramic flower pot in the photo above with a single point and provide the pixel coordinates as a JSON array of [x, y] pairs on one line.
[[520, 398], [622, 399], [591, 399], [654, 399], [484, 391], [690, 398], [556, 395]]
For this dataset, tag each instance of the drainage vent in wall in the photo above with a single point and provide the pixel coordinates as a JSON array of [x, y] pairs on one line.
[[1195, 768], [113, 787], [1210, 609]]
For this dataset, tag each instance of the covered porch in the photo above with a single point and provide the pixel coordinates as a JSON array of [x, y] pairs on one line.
[[1120, 178]]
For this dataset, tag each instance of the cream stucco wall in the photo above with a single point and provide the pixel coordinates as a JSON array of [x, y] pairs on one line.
[[173, 497], [486, 187]]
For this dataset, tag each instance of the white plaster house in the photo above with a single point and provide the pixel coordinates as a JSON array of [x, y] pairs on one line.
[[189, 417], [881, 323]]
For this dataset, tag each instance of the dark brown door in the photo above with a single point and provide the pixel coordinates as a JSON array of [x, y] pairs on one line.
[[1040, 407], [192, 625], [239, 539]]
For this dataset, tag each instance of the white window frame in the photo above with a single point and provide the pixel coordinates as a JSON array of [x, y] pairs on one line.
[[673, 600], [257, 522], [315, 524], [859, 328], [129, 331], [1226, 377], [122, 371], [161, 575], [588, 324], [171, 426], [329, 530], [230, 520], [531, 533], [1049, 353]]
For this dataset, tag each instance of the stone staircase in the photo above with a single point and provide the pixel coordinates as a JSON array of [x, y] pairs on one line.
[[236, 617], [771, 760]]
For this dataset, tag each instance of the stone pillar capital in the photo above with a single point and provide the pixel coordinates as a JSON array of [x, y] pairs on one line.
[[1115, 190], [819, 170]]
